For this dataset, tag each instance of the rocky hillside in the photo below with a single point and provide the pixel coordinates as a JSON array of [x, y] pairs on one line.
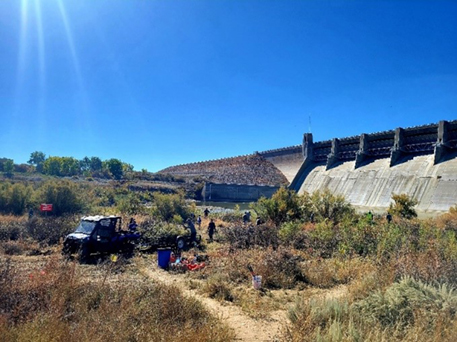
[[250, 169]]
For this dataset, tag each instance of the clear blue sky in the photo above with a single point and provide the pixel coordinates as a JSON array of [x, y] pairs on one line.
[[157, 83]]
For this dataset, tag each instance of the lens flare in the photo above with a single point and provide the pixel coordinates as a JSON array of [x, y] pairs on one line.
[[22, 47], [41, 47], [71, 44]]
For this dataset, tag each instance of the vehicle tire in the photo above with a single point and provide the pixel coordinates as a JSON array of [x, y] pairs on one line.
[[181, 243], [128, 250]]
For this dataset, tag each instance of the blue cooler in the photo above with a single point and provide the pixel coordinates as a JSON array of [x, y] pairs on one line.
[[163, 257]]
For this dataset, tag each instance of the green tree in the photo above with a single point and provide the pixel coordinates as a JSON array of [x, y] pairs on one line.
[[84, 164], [37, 159], [114, 166], [127, 167], [69, 166], [8, 167], [95, 164], [403, 206], [52, 166]]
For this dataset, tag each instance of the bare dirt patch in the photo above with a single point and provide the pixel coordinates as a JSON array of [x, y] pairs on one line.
[[245, 327]]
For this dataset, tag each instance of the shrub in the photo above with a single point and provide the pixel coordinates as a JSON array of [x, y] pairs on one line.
[[12, 248], [130, 204], [403, 302], [283, 206], [50, 230], [280, 269], [217, 286], [327, 206], [160, 232], [404, 311], [166, 206], [403, 206], [14, 198], [240, 237], [11, 229], [65, 197], [290, 230]]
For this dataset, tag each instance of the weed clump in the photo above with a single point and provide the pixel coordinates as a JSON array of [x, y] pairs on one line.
[[404, 310]]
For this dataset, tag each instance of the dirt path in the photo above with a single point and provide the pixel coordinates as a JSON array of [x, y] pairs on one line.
[[245, 327]]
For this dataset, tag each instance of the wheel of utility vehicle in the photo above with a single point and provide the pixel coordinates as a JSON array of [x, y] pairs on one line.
[[181, 243]]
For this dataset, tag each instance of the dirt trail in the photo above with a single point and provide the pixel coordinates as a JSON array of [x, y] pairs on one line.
[[245, 327]]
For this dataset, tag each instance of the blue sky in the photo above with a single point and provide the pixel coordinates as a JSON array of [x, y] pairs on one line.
[[160, 83]]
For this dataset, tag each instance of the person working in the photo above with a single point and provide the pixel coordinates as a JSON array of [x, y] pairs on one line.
[[211, 230]]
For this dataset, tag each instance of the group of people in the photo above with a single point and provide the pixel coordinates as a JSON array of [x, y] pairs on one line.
[[193, 231]]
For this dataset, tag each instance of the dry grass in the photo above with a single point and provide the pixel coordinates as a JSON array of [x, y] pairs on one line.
[[405, 311], [57, 303]]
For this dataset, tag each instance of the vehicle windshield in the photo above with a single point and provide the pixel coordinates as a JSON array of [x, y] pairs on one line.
[[85, 227]]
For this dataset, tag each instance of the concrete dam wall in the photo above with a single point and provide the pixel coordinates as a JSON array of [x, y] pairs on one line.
[[236, 192], [288, 160], [368, 169]]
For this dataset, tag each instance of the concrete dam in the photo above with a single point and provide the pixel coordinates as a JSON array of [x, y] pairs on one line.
[[366, 169]]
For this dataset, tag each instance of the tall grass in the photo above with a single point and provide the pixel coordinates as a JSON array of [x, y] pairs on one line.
[[57, 303], [407, 310]]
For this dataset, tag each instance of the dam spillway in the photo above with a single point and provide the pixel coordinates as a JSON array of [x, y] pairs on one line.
[[366, 169]]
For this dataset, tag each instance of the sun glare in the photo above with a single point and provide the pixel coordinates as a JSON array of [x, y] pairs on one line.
[[22, 46]]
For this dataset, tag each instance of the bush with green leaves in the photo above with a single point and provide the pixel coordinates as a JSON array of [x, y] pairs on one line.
[[130, 204], [327, 206], [167, 206], [405, 302], [290, 230], [283, 206], [158, 232], [14, 198], [8, 167], [403, 206], [65, 196]]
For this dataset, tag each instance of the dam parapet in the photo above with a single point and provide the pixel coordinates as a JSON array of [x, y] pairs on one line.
[[437, 138]]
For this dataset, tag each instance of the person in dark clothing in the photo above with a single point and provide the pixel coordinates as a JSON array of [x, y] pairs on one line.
[[132, 225], [193, 231], [211, 230], [389, 218], [246, 217], [206, 212]]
